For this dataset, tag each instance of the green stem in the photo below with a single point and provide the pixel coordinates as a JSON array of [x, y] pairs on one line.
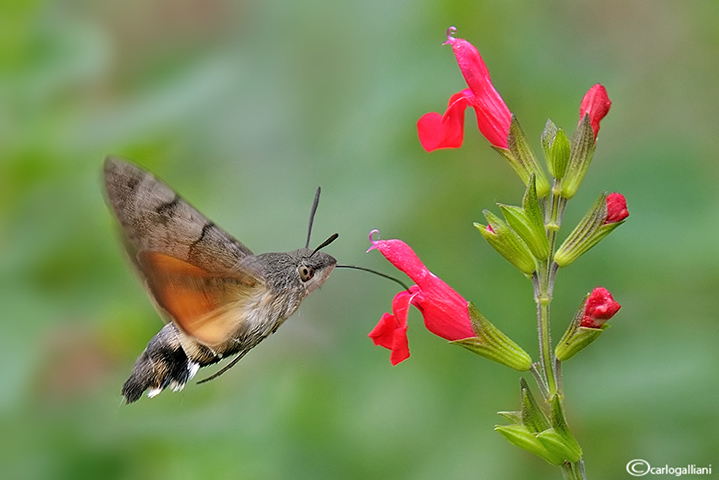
[[543, 290], [545, 342]]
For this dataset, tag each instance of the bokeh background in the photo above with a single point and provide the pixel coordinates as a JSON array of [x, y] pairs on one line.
[[245, 107]]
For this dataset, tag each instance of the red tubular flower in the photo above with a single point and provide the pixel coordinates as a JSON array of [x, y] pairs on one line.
[[444, 310], [616, 208], [493, 117], [596, 104], [599, 308]]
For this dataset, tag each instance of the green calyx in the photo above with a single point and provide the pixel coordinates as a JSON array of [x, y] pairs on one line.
[[532, 430], [580, 156], [522, 160], [527, 222], [491, 343], [590, 230]]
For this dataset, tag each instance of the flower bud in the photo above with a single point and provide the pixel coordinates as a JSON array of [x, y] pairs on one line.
[[595, 225], [599, 308], [595, 105], [616, 208], [506, 241], [593, 109], [556, 149], [588, 323]]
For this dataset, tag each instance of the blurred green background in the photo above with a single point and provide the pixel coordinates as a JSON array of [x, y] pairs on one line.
[[245, 107]]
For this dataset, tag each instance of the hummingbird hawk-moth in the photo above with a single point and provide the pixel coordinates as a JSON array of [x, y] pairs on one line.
[[218, 299]]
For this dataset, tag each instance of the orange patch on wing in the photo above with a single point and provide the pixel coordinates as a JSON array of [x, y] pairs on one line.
[[200, 303]]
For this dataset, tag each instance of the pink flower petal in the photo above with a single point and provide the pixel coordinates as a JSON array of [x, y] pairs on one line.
[[599, 308], [493, 115], [402, 257], [391, 331], [444, 131], [445, 311], [596, 104], [616, 208]]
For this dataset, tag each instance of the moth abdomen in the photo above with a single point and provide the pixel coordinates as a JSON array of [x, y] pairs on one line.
[[162, 364]]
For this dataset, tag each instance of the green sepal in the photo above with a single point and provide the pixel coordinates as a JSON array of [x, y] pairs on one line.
[[580, 156], [558, 446], [507, 243], [520, 436], [527, 222], [545, 437], [580, 339], [513, 417], [491, 343], [559, 425], [521, 159], [576, 337], [548, 134], [590, 230], [533, 417]]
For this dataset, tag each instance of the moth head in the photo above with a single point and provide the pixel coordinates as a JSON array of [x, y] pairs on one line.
[[313, 268], [300, 271]]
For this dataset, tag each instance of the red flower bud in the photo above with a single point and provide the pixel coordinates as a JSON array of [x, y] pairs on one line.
[[616, 208], [493, 117], [596, 104], [444, 310], [599, 308]]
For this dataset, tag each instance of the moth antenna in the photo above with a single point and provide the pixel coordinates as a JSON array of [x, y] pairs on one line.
[[332, 238], [312, 216], [225, 368], [389, 277]]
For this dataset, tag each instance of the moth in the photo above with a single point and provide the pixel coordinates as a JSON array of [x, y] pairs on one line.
[[218, 299]]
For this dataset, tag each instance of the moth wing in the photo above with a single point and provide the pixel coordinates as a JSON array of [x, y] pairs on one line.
[[155, 218], [206, 306]]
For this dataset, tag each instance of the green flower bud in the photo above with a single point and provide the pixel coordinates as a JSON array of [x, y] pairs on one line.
[[580, 156], [506, 241], [555, 145]]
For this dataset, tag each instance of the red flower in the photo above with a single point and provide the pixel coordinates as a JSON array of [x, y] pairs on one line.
[[596, 104], [616, 208], [493, 117], [444, 310], [599, 308]]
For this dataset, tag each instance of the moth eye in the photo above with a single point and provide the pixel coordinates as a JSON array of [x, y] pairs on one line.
[[305, 272]]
